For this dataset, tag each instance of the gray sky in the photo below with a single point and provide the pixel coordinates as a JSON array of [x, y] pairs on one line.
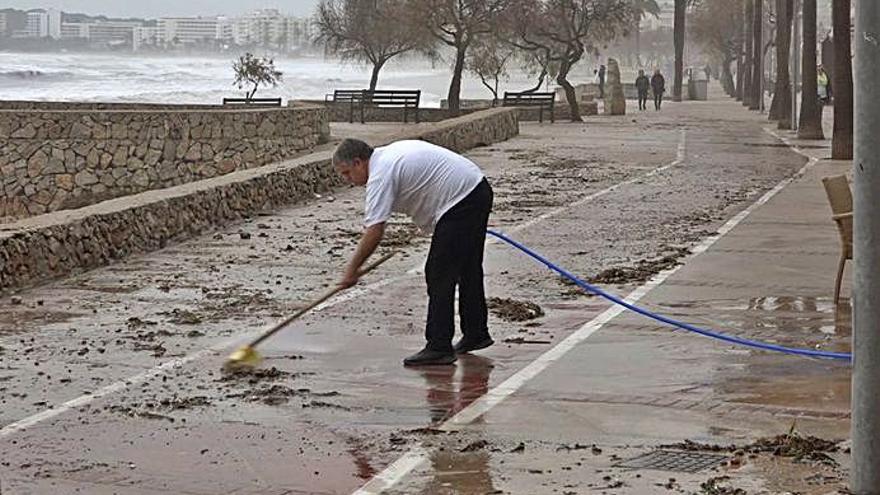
[[158, 8]]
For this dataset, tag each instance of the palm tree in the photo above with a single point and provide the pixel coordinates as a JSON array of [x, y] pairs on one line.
[[842, 83], [758, 56], [749, 52], [643, 8], [780, 108], [678, 40], [811, 112]]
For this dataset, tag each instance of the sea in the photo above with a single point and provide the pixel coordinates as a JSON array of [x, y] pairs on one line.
[[207, 79]]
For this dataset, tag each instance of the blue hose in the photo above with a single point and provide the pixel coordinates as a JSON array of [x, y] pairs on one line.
[[843, 356]]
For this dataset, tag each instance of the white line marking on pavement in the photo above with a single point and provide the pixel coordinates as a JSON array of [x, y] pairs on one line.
[[167, 366], [419, 454]]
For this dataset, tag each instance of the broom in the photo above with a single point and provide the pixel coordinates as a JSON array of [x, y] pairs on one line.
[[246, 356]]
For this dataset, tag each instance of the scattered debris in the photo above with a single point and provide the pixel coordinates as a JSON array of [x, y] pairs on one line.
[[513, 310], [522, 340], [474, 446], [713, 486], [641, 272]]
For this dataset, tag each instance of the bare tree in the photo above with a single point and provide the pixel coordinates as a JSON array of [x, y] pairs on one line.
[[780, 108], [842, 83], [811, 111], [538, 63], [716, 25], [565, 30], [256, 71], [367, 31], [488, 59], [456, 24]]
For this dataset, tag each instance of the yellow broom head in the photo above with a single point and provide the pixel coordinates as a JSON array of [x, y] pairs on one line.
[[243, 357]]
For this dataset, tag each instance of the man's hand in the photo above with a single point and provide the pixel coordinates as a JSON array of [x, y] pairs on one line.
[[370, 239]]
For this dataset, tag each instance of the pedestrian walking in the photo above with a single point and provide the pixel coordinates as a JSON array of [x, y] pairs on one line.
[[823, 84], [446, 195], [601, 76], [658, 86], [643, 84]]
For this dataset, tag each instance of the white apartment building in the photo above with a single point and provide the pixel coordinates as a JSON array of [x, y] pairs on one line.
[[44, 24], [146, 36], [4, 25], [191, 30], [263, 27], [74, 30]]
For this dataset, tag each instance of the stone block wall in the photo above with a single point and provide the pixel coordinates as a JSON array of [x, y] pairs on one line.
[[53, 159], [340, 112], [57, 244]]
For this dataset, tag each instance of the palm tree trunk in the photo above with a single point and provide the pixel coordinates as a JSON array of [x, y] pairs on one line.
[[811, 111], [758, 57], [749, 37], [842, 83], [678, 39], [740, 63], [780, 109]]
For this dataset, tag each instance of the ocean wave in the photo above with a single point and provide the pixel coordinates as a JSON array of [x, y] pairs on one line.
[[33, 74]]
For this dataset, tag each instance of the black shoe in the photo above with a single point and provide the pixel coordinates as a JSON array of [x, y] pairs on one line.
[[464, 346], [428, 357]]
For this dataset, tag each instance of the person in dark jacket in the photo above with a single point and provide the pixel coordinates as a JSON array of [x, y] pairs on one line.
[[642, 86], [658, 86], [601, 81]]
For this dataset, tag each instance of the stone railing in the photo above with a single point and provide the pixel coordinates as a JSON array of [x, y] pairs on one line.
[[36, 249], [57, 156]]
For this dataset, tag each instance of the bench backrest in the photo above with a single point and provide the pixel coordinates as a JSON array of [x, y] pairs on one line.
[[407, 98], [274, 102], [347, 94], [528, 99]]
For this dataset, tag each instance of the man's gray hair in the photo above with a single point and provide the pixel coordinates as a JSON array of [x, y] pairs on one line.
[[349, 149]]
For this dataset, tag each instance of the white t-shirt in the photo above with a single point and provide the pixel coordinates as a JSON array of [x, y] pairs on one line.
[[419, 179]]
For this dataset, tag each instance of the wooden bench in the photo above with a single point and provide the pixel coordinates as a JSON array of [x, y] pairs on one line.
[[540, 100], [380, 98], [260, 102], [350, 96]]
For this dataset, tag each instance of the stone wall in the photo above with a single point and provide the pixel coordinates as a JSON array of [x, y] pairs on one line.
[[341, 112], [60, 243], [53, 158]]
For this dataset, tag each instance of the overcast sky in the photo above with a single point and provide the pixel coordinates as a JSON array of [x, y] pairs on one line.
[[158, 8]]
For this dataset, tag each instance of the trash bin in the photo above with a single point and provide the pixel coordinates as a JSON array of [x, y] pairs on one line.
[[698, 89]]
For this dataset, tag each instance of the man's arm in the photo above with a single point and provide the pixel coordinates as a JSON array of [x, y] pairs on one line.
[[368, 243]]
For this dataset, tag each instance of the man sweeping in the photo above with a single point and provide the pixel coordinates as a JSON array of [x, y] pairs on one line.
[[446, 195]]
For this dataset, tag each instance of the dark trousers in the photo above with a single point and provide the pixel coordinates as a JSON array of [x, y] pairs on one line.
[[456, 259], [658, 100], [643, 100]]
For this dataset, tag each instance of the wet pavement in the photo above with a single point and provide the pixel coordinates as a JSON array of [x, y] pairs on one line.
[[615, 200]]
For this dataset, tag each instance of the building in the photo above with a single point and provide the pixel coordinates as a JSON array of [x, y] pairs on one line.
[[12, 21], [74, 30], [43, 24], [113, 32], [4, 25], [146, 36], [262, 27], [176, 31]]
